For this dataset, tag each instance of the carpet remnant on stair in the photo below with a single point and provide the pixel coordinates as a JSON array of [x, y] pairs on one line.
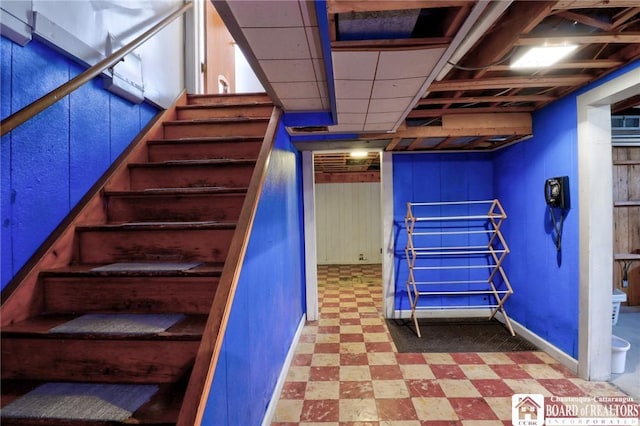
[[81, 401], [455, 335], [119, 323], [147, 267]]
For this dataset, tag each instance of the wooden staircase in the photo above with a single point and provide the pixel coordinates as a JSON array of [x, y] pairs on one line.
[[180, 205]]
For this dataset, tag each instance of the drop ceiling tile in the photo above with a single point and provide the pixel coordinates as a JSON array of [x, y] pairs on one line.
[[296, 90], [407, 63], [288, 70], [308, 10], [278, 43], [396, 88], [313, 38], [389, 104], [308, 104], [352, 105], [346, 128], [382, 117], [379, 127], [350, 118], [266, 14], [353, 89], [318, 66], [354, 65]]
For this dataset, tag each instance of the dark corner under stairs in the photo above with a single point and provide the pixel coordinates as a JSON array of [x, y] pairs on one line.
[[120, 326]]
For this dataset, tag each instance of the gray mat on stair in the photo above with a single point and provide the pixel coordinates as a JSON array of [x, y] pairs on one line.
[[81, 401], [119, 323], [147, 266]]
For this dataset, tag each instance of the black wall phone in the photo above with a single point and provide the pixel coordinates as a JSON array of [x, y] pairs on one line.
[[556, 195], [556, 192]]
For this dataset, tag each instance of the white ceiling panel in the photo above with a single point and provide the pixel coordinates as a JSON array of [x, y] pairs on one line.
[[407, 63], [352, 105], [318, 66], [288, 70], [308, 10], [354, 65], [267, 14], [389, 104], [278, 43], [346, 128], [313, 39], [309, 104], [297, 90], [383, 117], [350, 118], [378, 127], [353, 89], [396, 88]]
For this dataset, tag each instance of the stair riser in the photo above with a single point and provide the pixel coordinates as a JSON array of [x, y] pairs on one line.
[[188, 295], [261, 111], [235, 100], [189, 208], [203, 151], [190, 176], [200, 130], [144, 245], [111, 361]]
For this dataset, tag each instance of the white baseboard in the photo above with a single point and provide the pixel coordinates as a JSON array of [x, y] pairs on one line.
[[275, 396], [551, 350]]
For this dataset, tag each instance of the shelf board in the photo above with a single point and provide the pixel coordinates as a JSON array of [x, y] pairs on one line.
[[626, 162], [628, 203], [626, 256]]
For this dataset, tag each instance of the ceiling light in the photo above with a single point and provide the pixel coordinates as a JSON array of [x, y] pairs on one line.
[[359, 154], [543, 56]]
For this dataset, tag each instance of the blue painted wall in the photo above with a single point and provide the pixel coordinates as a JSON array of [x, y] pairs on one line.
[[269, 301], [545, 281], [435, 178], [50, 162]]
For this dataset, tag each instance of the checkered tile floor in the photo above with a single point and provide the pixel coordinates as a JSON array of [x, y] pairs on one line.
[[346, 370]]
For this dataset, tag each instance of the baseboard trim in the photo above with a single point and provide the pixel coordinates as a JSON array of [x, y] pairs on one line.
[[275, 396]]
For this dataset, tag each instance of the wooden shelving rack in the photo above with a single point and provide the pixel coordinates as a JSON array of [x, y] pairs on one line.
[[460, 249]]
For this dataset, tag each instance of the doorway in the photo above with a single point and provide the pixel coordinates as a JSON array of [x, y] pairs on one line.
[[344, 215], [596, 222]]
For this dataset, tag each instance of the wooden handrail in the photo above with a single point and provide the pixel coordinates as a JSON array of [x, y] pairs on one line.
[[197, 392], [26, 113]]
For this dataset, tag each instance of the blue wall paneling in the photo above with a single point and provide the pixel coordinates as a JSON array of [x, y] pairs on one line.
[[269, 300], [50, 162]]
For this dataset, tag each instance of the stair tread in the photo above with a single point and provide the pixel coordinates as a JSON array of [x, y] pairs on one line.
[[212, 139], [86, 270], [208, 162], [220, 120], [188, 328], [241, 104], [161, 409], [157, 226], [179, 191]]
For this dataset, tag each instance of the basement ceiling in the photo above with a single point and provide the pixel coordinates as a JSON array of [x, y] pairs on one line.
[[430, 75]]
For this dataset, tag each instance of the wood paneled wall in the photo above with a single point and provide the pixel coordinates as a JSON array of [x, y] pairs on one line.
[[348, 223], [626, 196]]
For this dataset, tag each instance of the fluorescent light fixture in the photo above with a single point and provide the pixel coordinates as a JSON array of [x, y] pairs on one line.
[[359, 154], [543, 56]]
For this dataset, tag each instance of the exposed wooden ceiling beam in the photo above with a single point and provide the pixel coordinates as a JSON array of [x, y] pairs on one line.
[[456, 125], [586, 20], [445, 143], [429, 113], [627, 103], [476, 143], [588, 4], [508, 82], [629, 37], [624, 16], [392, 145], [483, 99], [520, 18], [346, 6], [423, 43], [415, 144], [586, 64]]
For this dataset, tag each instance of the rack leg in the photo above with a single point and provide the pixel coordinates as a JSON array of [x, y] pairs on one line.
[[415, 322]]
